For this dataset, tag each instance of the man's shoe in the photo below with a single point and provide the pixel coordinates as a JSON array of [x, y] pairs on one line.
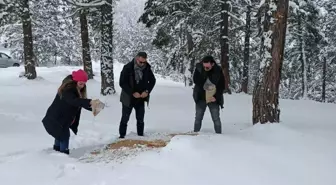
[[66, 151], [121, 137], [56, 148]]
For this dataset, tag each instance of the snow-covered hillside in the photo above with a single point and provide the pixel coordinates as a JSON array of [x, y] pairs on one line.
[[299, 151]]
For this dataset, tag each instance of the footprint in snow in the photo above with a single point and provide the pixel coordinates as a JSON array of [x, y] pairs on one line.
[[10, 157], [66, 169]]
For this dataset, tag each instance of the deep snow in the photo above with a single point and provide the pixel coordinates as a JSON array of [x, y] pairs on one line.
[[298, 151]]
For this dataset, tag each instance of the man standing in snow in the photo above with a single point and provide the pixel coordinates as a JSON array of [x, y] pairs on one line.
[[208, 91], [136, 81]]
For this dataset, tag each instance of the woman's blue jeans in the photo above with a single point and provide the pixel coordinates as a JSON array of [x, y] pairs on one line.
[[63, 145]]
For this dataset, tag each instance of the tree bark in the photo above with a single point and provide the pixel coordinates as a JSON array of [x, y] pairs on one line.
[[30, 71], [224, 42], [324, 78], [247, 50], [190, 57], [85, 44], [107, 74], [266, 94], [302, 58]]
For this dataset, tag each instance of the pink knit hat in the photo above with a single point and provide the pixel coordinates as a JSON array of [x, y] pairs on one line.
[[79, 76]]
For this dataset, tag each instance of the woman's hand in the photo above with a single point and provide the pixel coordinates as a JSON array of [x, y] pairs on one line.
[[94, 102], [96, 105]]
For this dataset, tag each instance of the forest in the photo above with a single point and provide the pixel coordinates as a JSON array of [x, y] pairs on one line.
[[270, 49]]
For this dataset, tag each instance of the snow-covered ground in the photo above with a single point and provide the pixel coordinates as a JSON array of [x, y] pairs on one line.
[[299, 151]]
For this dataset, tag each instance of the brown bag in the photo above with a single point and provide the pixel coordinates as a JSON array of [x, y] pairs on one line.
[[209, 93], [97, 106], [210, 90]]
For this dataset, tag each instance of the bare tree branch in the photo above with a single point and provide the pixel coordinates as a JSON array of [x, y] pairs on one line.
[[95, 3], [74, 13]]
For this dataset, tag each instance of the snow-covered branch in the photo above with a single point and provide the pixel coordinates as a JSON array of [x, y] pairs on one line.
[[95, 3], [73, 13]]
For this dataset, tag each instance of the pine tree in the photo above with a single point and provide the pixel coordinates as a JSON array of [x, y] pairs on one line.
[[106, 33], [18, 10], [266, 93], [304, 39], [107, 75]]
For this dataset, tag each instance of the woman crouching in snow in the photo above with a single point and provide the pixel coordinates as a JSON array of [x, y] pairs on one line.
[[64, 112]]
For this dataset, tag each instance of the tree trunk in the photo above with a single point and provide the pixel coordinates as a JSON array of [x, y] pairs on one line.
[[247, 50], [107, 74], [30, 71], [85, 44], [224, 42], [190, 57], [303, 59], [324, 78], [266, 94]]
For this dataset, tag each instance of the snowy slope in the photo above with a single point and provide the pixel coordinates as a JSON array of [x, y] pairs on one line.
[[299, 151]]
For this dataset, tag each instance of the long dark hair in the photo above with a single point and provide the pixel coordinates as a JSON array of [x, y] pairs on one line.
[[69, 83]]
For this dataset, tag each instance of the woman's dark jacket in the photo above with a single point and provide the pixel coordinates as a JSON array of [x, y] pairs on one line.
[[64, 113], [216, 76]]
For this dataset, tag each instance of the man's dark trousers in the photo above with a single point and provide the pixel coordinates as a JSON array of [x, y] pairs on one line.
[[214, 111], [139, 108]]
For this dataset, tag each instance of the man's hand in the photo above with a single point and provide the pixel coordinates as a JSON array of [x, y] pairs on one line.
[[213, 99], [144, 94], [136, 95]]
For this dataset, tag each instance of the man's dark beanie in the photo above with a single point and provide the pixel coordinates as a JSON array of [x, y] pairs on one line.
[[208, 58]]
